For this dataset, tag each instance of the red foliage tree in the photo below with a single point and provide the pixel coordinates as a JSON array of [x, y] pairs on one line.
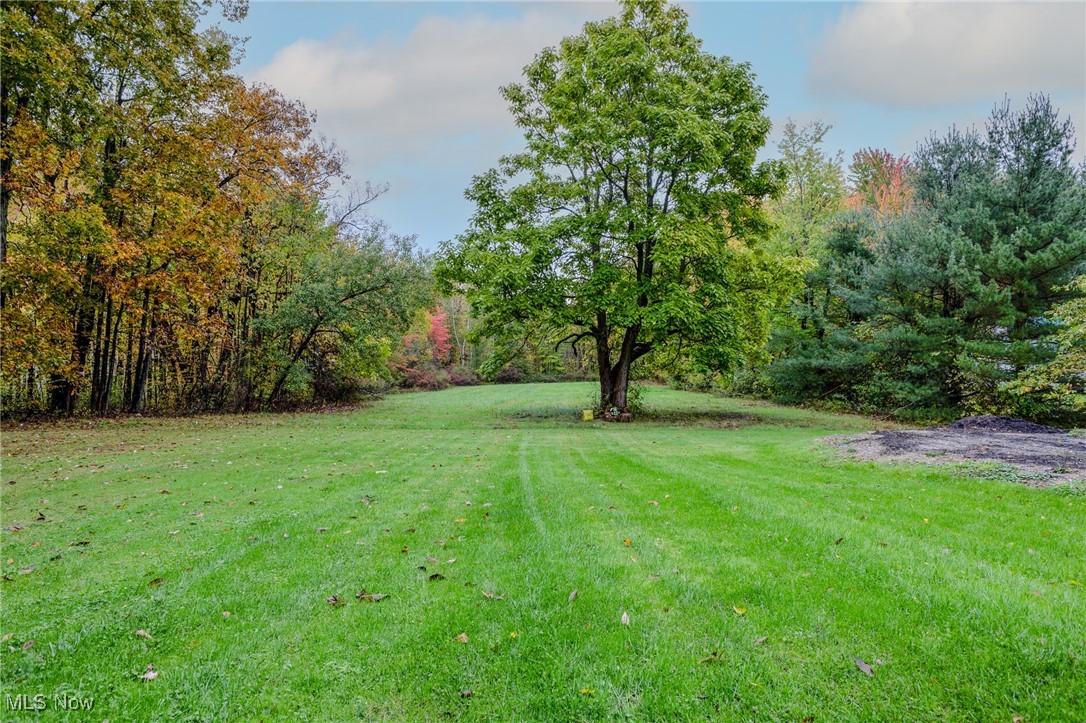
[[439, 335], [879, 183]]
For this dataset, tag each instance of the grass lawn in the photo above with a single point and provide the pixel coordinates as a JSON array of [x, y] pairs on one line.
[[753, 569]]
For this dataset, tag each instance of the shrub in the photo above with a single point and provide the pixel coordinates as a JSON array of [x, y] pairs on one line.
[[421, 379], [463, 377], [509, 375]]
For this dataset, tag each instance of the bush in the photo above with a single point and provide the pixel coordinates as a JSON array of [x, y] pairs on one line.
[[463, 377], [421, 379], [509, 375]]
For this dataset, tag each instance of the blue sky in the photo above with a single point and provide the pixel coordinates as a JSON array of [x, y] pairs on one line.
[[410, 89]]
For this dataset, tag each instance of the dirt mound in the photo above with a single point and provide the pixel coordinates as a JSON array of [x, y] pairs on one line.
[[1039, 455], [992, 423]]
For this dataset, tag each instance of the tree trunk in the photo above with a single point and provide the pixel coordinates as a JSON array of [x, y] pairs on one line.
[[143, 355], [274, 394]]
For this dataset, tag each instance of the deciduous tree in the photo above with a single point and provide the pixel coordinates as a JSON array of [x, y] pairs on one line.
[[635, 211]]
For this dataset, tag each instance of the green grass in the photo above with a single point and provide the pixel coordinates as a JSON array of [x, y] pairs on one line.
[[776, 562]]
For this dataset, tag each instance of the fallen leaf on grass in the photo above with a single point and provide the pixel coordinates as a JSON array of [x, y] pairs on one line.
[[322, 529], [864, 667], [627, 543], [461, 519], [28, 645], [226, 613], [573, 595], [492, 596], [1075, 582], [711, 656], [654, 502], [26, 571], [156, 582], [587, 691], [451, 561], [466, 694], [430, 558], [143, 634], [370, 597], [625, 619], [150, 673], [839, 540], [7, 637], [761, 640], [739, 611], [335, 602], [462, 638], [436, 577]]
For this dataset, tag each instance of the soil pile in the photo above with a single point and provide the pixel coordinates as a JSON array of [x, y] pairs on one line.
[[992, 423], [1043, 455]]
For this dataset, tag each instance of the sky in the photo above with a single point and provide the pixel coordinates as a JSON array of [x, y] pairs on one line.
[[409, 90]]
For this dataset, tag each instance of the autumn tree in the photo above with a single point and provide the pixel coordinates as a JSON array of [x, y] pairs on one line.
[[634, 212]]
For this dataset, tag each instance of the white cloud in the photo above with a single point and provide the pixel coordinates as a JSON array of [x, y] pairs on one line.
[[402, 99], [927, 54]]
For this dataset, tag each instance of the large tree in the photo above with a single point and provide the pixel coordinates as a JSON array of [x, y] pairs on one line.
[[631, 216]]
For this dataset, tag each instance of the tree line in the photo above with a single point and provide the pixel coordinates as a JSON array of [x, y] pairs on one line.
[[947, 282], [174, 238]]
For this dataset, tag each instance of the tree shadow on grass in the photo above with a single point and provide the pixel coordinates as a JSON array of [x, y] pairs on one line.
[[712, 419], [567, 416]]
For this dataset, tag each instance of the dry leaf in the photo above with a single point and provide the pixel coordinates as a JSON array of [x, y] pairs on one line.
[[761, 640], [462, 638], [627, 543], [739, 611], [492, 596], [226, 613], [334, 601], [466, 693], [156, 582], [164, 492], [625, 619], [322, 529], [711, 656], [452, 560], [27, 571], [370, 597], [654, 502], [143, 634], [864, 667], [461, 519], [150, 673], [7, 637], [839, 540], [430, 558], [573, 595], [436, 576], [28, 645]]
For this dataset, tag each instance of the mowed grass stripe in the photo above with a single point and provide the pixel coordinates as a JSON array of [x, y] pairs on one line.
[[960, 633]]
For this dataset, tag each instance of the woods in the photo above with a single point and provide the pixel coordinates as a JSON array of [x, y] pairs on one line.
[[948, 279], [176, 237]]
